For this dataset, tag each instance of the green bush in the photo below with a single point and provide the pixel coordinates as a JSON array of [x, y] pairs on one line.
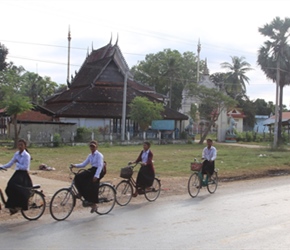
[[56, 140], [83, 134], [240, 136], [249, 136]]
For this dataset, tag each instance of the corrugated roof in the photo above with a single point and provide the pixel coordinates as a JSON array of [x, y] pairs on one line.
[[271, 120]]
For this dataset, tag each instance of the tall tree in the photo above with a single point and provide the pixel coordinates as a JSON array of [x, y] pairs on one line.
[[10, 80], [37, 88], [274, 60], [3, 55], [168, 72], [212, 103], [236, 79], [262, 107], [14, 105], [219, 79]]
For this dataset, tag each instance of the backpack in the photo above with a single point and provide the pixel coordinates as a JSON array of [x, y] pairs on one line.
[[104, 170]]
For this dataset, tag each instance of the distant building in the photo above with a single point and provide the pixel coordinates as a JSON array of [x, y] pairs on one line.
[[259, 124]]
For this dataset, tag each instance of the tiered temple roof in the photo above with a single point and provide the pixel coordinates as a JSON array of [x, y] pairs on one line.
[[97, 89]]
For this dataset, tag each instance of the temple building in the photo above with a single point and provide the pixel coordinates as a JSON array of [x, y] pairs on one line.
[[94, 97]]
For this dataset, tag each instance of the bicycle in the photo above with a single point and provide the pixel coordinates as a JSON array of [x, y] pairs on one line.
[[64, 200], [124, 188], [196, 181], [36, 202]]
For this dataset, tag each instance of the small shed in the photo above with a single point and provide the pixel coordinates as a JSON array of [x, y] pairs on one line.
[[270, 122]]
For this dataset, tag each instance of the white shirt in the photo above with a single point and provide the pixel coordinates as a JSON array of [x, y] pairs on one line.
[[209, 154], [22, 161], [96, 160], [144, 156]]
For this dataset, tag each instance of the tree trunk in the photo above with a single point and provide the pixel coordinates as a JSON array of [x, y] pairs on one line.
[[15, 131], [206, 131], [280, 117]]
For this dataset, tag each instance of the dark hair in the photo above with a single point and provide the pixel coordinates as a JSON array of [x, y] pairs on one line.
[[147, 143], [25, 144], [23, 141], [209, 139], [94, 143]]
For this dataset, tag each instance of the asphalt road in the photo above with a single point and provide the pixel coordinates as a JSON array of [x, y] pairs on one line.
[[240, 215]]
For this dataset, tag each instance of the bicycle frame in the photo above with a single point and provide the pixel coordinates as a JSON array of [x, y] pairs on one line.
[[133, 182], [74, 190]]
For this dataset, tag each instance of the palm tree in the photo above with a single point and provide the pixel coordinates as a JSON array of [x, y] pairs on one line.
[[235, 80], [274, 60]]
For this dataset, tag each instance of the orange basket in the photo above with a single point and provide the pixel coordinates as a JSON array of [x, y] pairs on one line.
[[195, 166]]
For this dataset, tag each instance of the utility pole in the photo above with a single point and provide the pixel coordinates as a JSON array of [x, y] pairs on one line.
[[124, 107], [170, 93], [68, 56]]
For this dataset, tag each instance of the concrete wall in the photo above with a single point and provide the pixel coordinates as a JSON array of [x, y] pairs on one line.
[[87, 122], [43, 133]]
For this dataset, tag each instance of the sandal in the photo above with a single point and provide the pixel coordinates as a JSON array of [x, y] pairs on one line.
[[94, 209], [135, 194], [13, 211]]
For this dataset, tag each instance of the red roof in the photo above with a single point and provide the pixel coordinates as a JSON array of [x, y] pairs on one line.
[[32, 115]]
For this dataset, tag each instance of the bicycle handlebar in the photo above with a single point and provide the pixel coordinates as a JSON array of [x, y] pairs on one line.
[[3, 169], [75, 173], [133, 165]]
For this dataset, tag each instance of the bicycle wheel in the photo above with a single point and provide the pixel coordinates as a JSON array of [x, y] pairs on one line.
[[193, 185], [36, 206], [154, 191], [124, 193], [212, 183], [107, 199], [62, 204]]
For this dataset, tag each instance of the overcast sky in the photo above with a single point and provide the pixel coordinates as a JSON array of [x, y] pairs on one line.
[[35, 32]]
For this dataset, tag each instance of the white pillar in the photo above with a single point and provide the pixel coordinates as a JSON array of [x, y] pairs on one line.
[[222, 126]]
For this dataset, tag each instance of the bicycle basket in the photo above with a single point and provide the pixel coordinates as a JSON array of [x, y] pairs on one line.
[[126, 172], [195, 166]]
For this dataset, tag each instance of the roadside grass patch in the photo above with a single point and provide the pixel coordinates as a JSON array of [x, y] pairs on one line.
[[171, 160]]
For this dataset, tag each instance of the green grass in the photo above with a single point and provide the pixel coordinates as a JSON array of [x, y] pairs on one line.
[[169, 160]]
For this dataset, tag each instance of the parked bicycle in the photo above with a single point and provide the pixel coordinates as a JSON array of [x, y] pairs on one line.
[[196, 182], [64, 200], [36, 202], [125, 188]]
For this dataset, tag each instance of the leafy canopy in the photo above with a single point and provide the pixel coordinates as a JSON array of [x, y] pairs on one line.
[[3, 55], [211, 103], [144, 111], [168, 72], [16, 104]]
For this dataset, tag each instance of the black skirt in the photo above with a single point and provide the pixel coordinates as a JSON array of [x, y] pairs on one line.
[[208, 167], [145, 176], [18, 190], [85, 185]]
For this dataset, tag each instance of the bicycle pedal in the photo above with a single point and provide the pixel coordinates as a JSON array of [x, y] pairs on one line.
[[87, 203]]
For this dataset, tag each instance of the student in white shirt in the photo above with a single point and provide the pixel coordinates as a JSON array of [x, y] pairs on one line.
[[209, 155], [87, 182], [17, 187]]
